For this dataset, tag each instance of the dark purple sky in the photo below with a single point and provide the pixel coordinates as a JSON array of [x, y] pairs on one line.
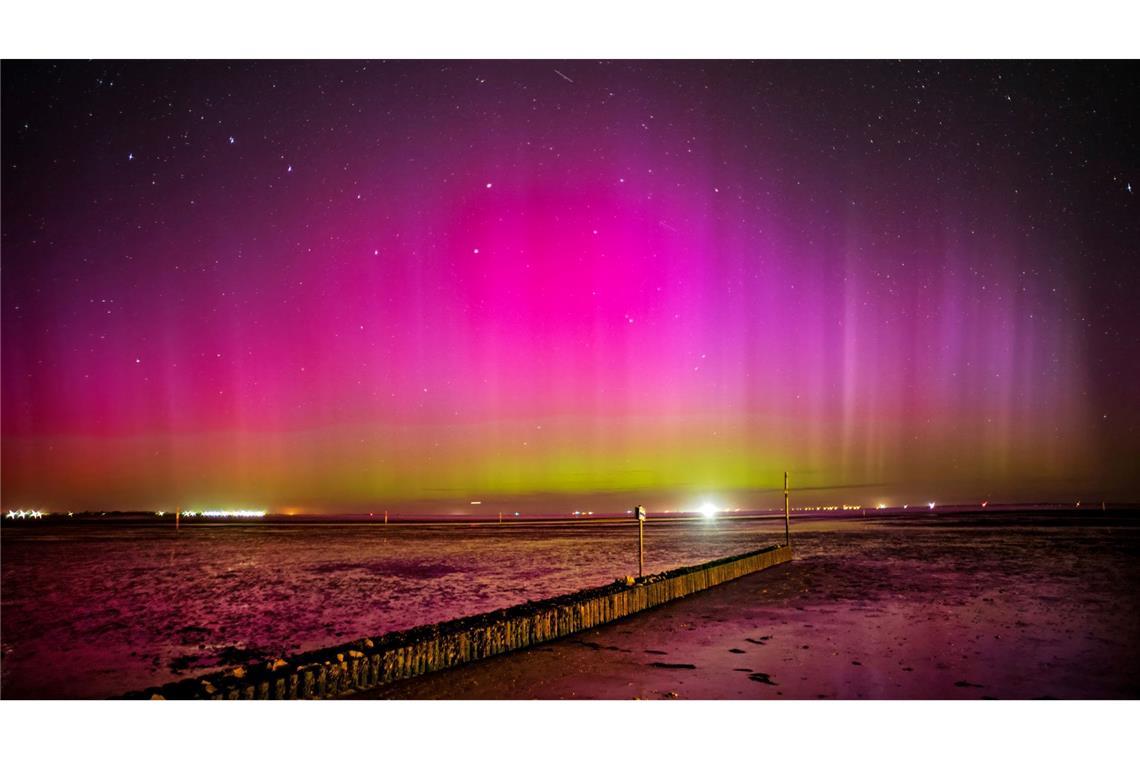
[[321, 284]]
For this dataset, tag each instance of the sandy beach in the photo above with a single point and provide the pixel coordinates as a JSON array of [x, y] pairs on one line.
[[967, 607]]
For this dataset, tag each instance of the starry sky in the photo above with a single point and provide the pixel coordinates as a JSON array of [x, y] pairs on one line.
[[559, 283]]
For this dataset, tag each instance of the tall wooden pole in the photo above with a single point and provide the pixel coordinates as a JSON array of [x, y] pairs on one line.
[[640, 548], [639, 513], [177, 512], [787, 515]]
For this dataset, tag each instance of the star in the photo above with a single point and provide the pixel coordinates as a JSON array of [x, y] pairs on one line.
[[231, 140], [130, 156]]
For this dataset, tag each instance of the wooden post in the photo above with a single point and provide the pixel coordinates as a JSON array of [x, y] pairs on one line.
[[177, 514], [385, 517], [787, 515], [500, 518], [640, 548], [640, 541]]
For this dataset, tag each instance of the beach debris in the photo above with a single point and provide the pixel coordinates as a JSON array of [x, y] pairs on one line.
[[158, 697], [673, 665], [761, 678], [238, 672], [671, 695], [734, 650], [368, 644], [279, 663], [968, 685]]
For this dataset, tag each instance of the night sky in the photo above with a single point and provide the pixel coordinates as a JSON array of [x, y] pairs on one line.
[[567, 282]]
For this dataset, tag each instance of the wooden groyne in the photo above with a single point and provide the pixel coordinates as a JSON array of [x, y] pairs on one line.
[[367, 663]]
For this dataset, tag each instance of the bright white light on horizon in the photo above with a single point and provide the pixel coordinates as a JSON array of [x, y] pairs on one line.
[[708, 509], [25, 514], [931, 505]]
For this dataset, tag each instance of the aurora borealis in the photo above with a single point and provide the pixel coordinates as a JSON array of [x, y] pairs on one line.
[[424, 283]]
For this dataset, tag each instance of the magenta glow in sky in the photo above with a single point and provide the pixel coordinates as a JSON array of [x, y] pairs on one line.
[[332, 284]]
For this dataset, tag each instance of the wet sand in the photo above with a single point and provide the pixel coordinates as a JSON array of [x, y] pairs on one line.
[[964, 607], [96, 610]]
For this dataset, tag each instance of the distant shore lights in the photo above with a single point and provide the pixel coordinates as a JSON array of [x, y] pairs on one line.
[[25, 514], [709, 510], [230, 513]]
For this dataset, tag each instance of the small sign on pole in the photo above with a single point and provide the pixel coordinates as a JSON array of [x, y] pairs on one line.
[[640, 540]]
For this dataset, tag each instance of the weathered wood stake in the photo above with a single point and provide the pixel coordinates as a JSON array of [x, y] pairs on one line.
[[640, 541], [787, 515]]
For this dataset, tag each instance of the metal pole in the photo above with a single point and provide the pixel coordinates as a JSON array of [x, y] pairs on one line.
[[787, 515], [640, 548]]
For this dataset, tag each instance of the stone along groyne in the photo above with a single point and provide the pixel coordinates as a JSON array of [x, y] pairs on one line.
[[367, 663]]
